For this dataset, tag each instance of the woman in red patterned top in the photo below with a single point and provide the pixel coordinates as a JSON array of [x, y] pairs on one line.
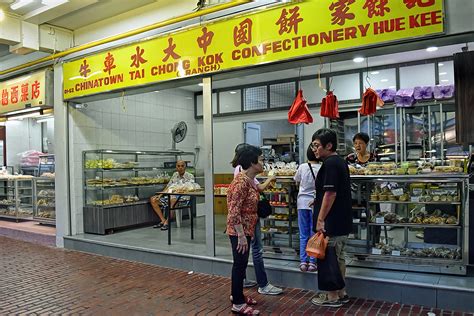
[[242, 200]]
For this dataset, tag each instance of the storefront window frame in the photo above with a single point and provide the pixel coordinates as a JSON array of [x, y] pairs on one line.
[[326, 78]]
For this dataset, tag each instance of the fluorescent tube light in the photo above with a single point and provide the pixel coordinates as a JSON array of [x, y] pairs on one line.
[[20, 4], [23, 116], [33, 109]]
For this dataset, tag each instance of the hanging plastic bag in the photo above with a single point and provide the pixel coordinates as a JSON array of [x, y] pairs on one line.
[[330, 106], [370, 101], [316, 246], [299, 112]]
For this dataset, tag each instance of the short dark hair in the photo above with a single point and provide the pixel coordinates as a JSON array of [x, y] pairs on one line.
[[310, 154], [237, 150], [248, 156], [362, 136], [326, 136]]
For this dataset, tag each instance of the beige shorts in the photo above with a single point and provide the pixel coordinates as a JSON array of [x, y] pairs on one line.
[[339, 242]]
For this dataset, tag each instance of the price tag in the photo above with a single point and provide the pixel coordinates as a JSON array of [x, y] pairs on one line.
[[397, 192], [376, 251], [396, 253], [379, 220], [356, 220], [415, 199]]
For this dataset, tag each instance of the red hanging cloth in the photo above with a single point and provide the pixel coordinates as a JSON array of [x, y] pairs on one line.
[[370, 101], [299, 112], [330, 106]]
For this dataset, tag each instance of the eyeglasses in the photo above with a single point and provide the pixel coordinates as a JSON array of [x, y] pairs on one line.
[[315, 145]]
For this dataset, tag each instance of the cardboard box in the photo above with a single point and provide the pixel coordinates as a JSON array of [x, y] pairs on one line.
[[286, 138]]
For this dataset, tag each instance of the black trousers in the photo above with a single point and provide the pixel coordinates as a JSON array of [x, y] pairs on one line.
[[238, 270]]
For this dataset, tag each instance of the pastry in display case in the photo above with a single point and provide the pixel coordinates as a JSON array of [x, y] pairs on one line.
[[415, 223], [280, 229], [44, 203], [16, 196], [120, 183]]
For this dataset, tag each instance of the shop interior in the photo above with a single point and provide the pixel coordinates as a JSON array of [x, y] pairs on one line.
[[134, 128], [28, 169]]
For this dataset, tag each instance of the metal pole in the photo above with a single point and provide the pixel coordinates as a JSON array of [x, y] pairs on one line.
[[441, 122], [396, 130], [208, 165], [429, 132]]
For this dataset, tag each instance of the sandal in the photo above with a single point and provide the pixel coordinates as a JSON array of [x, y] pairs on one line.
[[245, 310], [312, 267], [303, 267], [248, 300], [159, 225]]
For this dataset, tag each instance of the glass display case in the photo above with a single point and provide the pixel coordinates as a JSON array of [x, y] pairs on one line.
[[44, 205], [119, 183], [412, 222], [280, 229], [16, 197]]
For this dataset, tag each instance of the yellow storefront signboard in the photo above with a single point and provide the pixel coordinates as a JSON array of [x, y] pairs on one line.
[[22, 92], [294, 30]]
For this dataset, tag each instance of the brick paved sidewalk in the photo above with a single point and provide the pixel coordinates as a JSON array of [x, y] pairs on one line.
[[35, 279]]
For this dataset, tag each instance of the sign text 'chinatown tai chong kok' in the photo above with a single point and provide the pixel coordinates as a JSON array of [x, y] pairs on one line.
[[294, 30]]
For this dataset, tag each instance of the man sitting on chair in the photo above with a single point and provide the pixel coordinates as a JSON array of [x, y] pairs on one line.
[[158, 201]]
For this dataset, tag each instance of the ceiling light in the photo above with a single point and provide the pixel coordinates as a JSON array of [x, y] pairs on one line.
[[443, 73], [23, 116], [445, 80], [375, 72], [24, 110], [358, 59], [392, 87], [20, 4], [383, 80], [233, 92], [200, 84], [440, 64], [2, 15], [156, 91], [51, 3], [432, 49]]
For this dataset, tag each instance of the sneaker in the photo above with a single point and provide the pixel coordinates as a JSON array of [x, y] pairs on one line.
[[322, 300], [249, 283], [345, 299], [270, 290]]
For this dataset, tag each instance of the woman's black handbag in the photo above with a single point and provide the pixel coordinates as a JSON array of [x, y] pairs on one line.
[[263, 207], [329, 274]]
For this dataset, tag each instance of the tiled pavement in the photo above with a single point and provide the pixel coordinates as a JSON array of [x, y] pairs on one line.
[[35, 279]]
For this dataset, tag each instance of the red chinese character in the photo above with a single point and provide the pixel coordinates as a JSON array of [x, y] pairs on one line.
[[421, 3], [169, 51], [84, 69], [376, 7], [287, 24], [4, 97], [340, 14], [205, 39], [243, 33], [14, 95], [24, 92], [109, 63], [137, 58], [35, 89]]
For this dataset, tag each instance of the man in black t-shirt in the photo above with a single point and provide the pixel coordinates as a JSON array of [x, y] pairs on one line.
[[333, 206]]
